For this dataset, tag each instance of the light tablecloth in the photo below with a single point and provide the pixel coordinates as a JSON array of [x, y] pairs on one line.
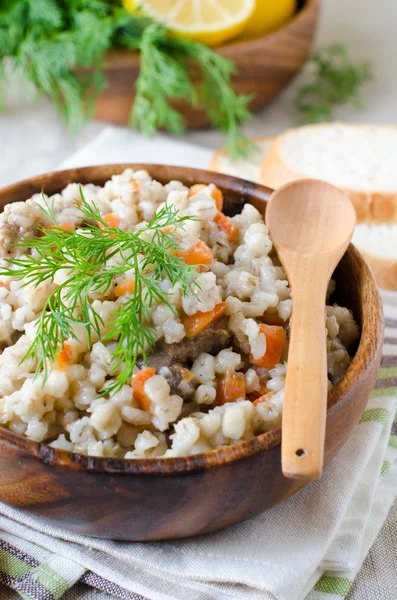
[[311, 546]]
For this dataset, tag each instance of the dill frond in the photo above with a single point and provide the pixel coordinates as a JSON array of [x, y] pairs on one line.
[[335, 79], [59, 47], [84, 255]]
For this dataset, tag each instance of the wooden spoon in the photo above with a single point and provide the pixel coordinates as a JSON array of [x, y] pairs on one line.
[[311, 224]]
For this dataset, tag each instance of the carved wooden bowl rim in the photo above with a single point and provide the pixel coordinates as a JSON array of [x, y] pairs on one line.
[[371, 332], [305, 9]]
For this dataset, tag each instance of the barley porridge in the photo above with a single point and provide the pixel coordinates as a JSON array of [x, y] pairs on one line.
[[201, 293]]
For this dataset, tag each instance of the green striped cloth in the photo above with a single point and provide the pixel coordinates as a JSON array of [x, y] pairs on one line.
[[42, 563], [332, 586], [336, 586]]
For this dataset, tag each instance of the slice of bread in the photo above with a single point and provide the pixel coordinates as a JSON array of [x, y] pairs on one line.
[[361, 159], [246, 169], [377, 242]]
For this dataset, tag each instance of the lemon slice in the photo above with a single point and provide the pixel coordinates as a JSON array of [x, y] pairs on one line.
[[211, 22], [268, 16]]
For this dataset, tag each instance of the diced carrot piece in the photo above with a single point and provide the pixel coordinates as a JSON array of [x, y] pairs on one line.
[[215, 193], [137, 383], [2, 284], [134, 185], [231, 387], [275, 340], [125, 287], [111, 219], [272, 318], [195, 189], [258, 393], [63, 357], [186, 375], [198, 254], [224, 224], [218, 197], [67, 226], [168, 229], [264, 398], [195, 324]]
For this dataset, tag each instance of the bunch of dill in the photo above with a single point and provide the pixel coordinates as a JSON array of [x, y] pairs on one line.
[[59, 47]]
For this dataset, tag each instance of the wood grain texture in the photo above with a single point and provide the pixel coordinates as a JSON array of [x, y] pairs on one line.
[[264, 67], [157, 499], [312, 224]]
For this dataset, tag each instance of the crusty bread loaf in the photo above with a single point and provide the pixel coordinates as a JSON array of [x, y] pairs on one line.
[[377, 242], [246, 169], [361, 159]]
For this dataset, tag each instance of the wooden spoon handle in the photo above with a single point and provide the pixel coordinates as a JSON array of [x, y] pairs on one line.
[[305, 401]]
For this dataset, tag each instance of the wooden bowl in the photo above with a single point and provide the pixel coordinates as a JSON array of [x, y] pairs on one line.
[[157, 499], [264, 67]]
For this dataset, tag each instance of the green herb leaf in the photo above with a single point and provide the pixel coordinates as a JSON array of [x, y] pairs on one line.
[[85, 254], [335, 79]]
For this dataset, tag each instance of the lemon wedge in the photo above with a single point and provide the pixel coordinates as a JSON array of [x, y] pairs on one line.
[[211, 22], [268, 16]]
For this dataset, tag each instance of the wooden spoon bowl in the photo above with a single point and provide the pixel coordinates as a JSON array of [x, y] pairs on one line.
[[157, 499]]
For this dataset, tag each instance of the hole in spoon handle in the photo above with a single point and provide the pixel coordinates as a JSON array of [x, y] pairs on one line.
[[300, 453], [306, 386]]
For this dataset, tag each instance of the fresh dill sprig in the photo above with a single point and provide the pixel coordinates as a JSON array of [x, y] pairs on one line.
[[59, 47], [335, 79], [84, 257], [165, 77]]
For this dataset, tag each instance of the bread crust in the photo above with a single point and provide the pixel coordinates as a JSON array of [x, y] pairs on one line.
[[219, 155], [216, 160], [384, 270], [371, 205]]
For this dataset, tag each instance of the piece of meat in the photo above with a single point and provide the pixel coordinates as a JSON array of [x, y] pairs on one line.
[[180, 380], [19, 221], [212, 340], [156, 360]]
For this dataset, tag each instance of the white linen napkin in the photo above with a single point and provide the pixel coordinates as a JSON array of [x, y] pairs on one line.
[[120, 145], [310, 546]]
